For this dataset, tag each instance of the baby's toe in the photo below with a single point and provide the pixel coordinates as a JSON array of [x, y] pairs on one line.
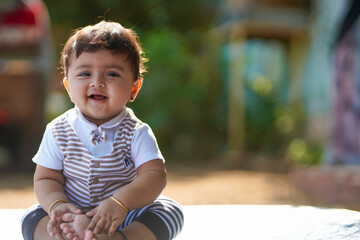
[[70, 236], [68, 217], [64, 226], [89, 235]]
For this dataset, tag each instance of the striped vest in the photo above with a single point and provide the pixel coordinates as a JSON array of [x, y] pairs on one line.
[[89, 179]]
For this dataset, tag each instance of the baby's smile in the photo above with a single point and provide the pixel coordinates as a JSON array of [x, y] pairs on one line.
[[97, 97]]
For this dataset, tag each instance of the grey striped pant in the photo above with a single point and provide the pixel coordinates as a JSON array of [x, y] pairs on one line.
[[163, 217]]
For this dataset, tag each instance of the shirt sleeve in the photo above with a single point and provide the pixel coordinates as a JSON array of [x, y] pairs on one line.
[[49, 154], [144, 146]]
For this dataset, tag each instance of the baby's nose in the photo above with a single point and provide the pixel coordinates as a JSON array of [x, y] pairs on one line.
[[97, 82]]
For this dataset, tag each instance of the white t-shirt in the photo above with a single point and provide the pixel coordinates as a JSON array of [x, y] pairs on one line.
[[144, 146]]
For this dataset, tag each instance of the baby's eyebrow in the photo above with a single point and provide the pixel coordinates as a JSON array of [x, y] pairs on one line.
[[82, 66], [116, 66], [120, 68]]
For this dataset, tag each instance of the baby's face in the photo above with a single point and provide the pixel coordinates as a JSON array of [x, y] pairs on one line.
[[100, 84]]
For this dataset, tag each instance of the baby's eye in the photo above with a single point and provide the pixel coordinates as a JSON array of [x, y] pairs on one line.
[[113, 74], [84, 74]]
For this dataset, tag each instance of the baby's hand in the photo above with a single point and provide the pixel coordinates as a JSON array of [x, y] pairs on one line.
[[53, 226], [107, 217]]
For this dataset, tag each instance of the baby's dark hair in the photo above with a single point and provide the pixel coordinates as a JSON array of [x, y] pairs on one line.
[[105, 35]]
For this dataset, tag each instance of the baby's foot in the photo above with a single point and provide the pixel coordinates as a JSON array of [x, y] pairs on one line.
[[75, 225]]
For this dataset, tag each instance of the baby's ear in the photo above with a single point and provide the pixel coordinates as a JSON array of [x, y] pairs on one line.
[[136, 88], [66, 85], [138, 84]]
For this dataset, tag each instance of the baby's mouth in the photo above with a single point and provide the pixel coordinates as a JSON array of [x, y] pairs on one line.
[[97, 97]]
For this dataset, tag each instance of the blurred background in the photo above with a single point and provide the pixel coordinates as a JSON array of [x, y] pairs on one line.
[[235, 88]]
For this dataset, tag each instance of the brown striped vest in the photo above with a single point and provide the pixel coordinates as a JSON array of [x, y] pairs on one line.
[[89, 179]]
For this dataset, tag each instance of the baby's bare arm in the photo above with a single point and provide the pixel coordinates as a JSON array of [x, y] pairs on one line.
[[146, 187], [48, 186]]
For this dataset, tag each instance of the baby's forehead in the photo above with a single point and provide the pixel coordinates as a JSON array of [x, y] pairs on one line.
[[74, 56]]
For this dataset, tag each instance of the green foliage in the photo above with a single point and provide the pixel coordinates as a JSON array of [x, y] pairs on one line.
[[305, 153], [178, 98]]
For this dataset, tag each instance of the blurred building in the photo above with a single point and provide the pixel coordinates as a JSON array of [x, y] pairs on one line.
[[345, 145], [288, 72], [265, 48], [26, 64]]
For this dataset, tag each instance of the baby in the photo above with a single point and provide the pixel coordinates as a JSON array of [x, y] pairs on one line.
[[99, 172]]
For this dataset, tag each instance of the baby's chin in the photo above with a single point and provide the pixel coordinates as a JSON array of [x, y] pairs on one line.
[[100, 119]]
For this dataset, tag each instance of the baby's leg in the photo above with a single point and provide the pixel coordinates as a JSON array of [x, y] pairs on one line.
[[34, 224], [76, 225], [41, 232]]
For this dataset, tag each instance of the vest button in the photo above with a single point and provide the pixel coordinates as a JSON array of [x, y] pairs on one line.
[[96, 181], [97, 164]]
